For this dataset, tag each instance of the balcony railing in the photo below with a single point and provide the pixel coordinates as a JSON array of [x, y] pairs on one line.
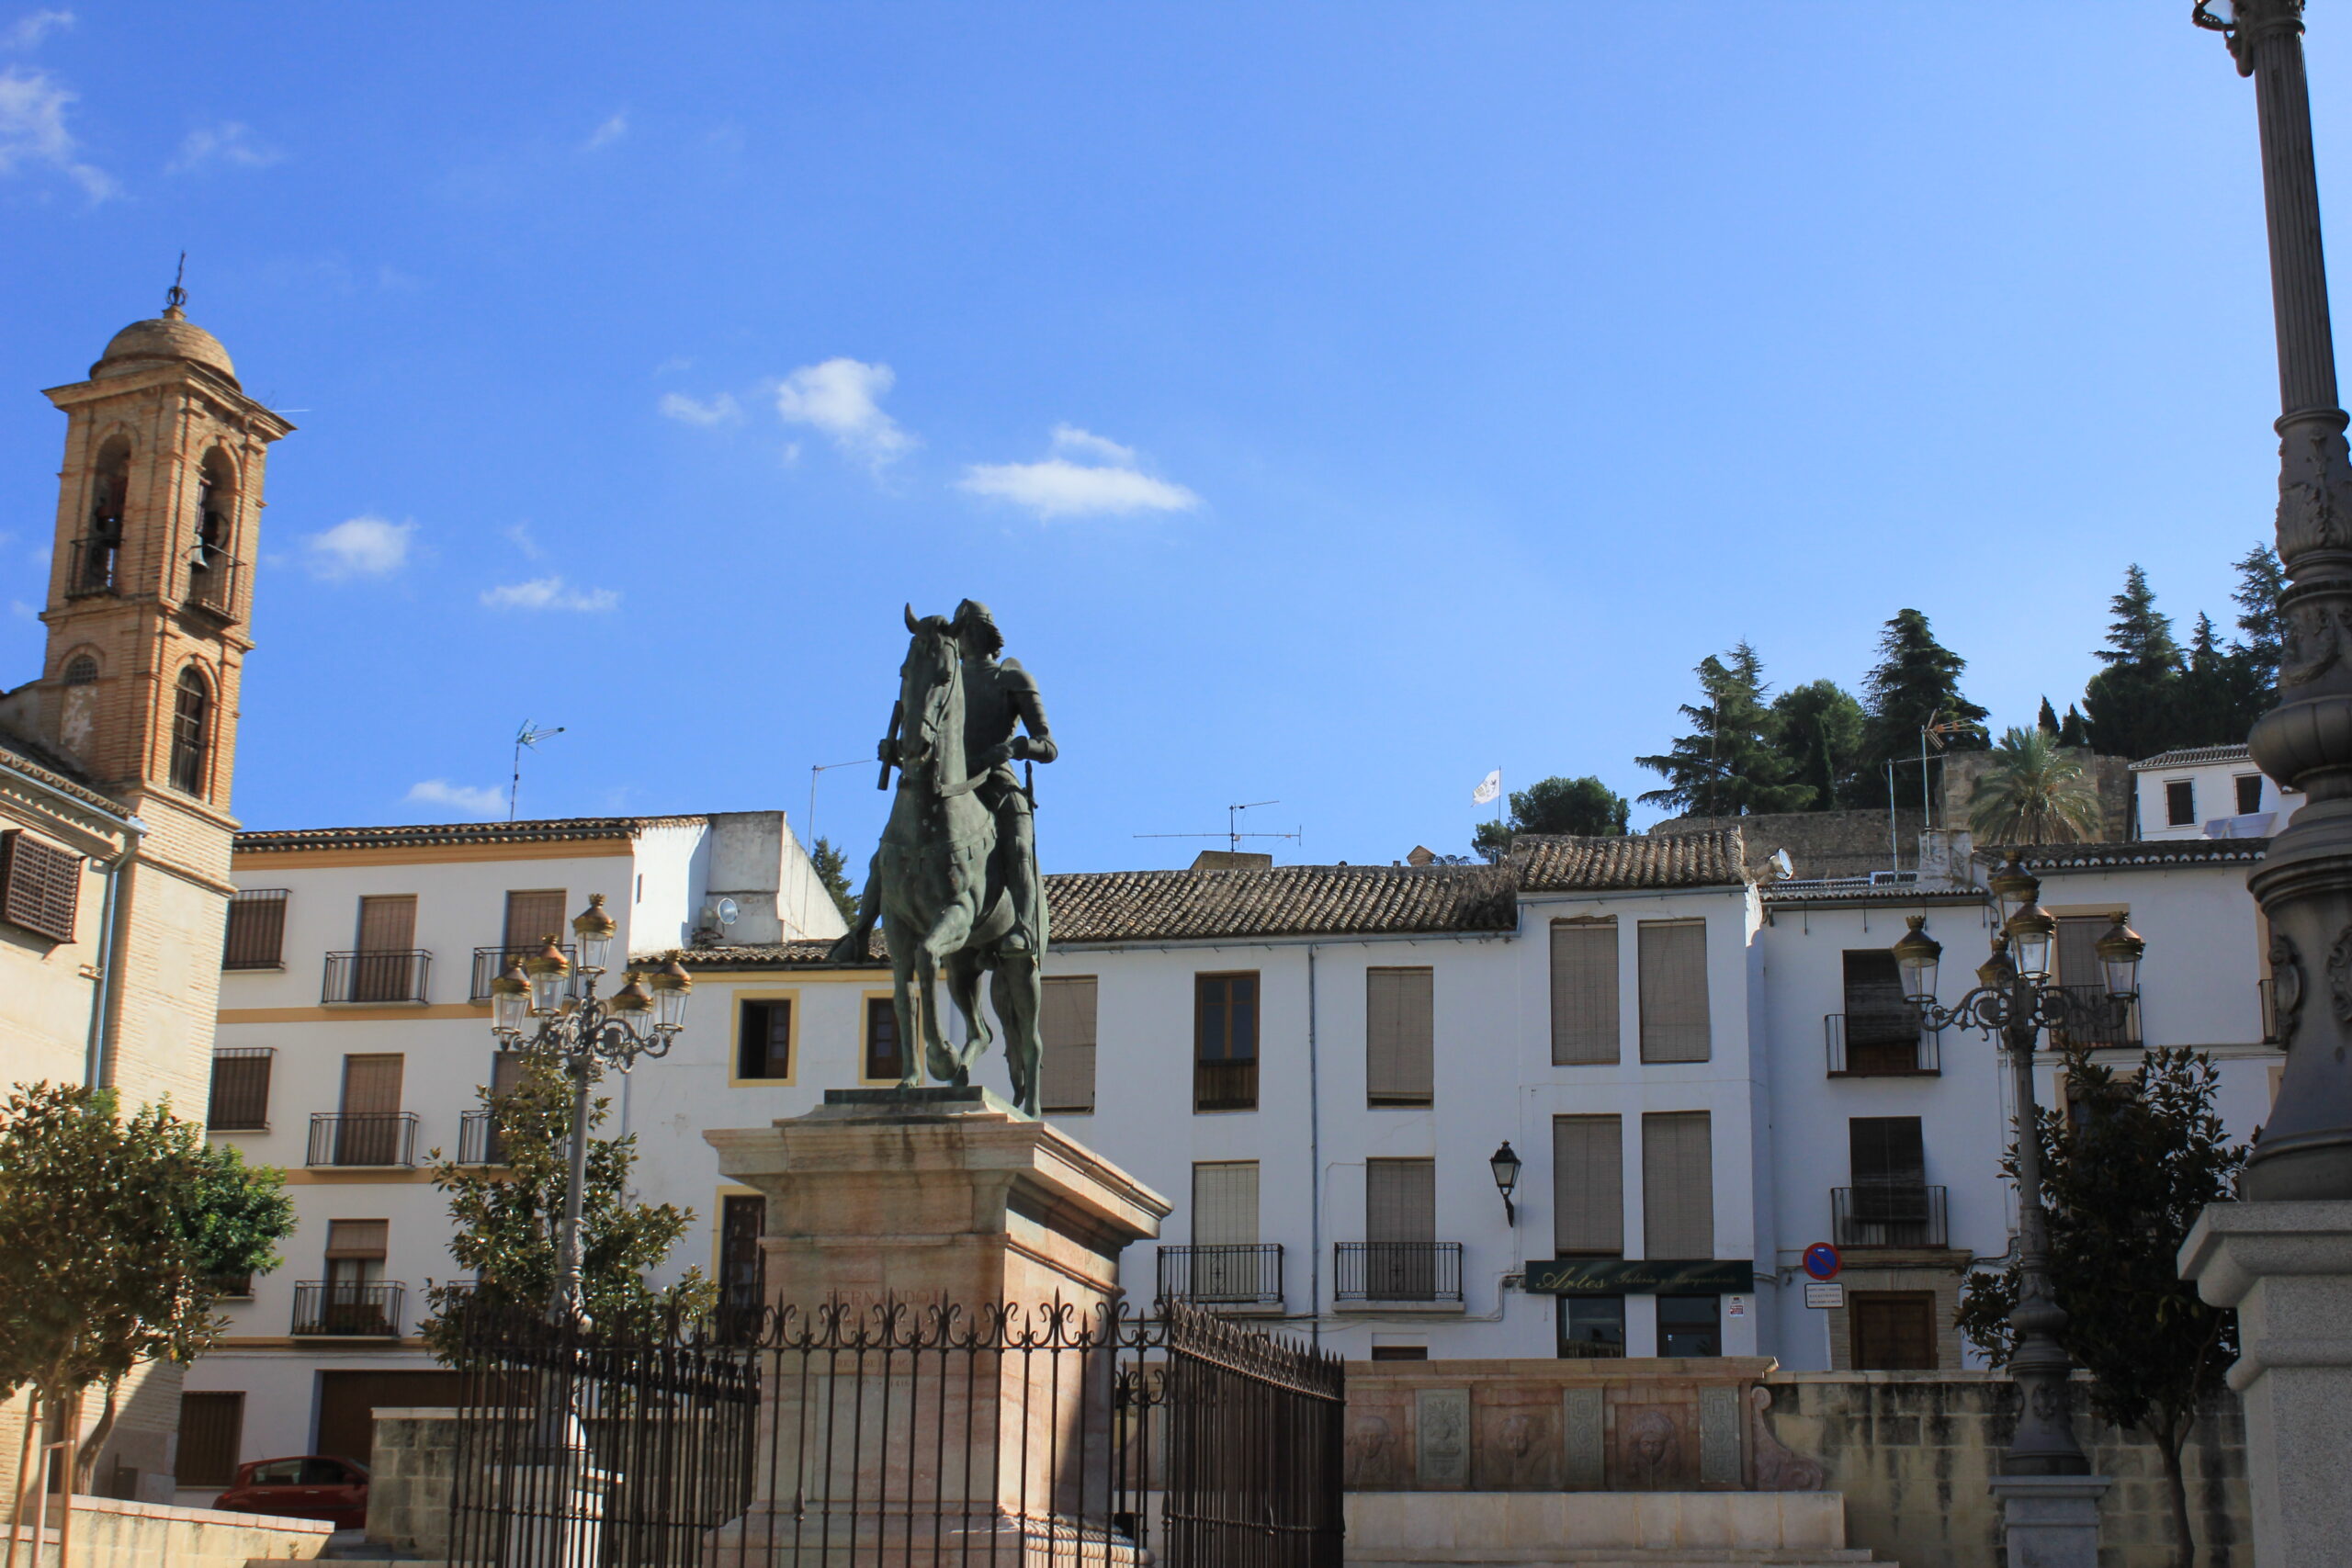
[[362, 1137], [376, 976], [213, 582], [479, 1142], [1888, 1213], [336, 1308], [2117, 1023], [491, 962], [1400, 1271], [1228, 1274], [94, 567], [1879, 1046], [1225, 1086]]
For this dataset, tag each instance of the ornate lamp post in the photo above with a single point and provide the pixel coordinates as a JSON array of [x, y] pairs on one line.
[[583, 1035], [2013, 998]]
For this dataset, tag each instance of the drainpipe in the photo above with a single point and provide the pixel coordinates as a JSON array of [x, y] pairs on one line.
[[1314, 1167], [96, 1054]]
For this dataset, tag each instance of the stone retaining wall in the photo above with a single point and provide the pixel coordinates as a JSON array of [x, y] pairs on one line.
[[110, 1533], [412, 1468]]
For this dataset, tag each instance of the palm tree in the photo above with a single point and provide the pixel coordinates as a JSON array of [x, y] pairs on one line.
[[2034, 793]]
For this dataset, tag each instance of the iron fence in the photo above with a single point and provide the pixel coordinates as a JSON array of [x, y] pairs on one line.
[[1226, 1085], [92, 570], [398, 976], [212, 581], [2102, 1020], [886, 1434], [362, 1139], [478, 1140], [1888, 1213], [490, 962], [1227, 1274], [1398, 1271], [358, 1309]]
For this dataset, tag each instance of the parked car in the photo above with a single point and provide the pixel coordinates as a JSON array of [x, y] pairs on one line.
[[312, 1486]]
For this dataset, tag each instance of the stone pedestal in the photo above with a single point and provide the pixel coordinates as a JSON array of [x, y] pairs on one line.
[[937, 1198], [2052, 1521], [2287, 1268]]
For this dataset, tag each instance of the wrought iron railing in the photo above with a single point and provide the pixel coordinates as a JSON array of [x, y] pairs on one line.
[[362, 1139], [212, 581], [1225, 1085], [1398, 1271], [1879, 1046], [337, 1307], [376, 976], [478, 1141], [93, 568], [1888, 1213], [491, 962], [2115, 1023], [1223, 1274]]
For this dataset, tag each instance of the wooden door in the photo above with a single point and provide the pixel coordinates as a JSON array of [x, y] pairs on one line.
[[382, 963], [1892, 1330], [369, 1132], [348, 1403]]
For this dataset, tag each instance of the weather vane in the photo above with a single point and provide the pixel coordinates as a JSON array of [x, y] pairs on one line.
[[175, 297]]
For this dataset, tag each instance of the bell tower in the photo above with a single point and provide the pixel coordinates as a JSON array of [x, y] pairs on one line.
[[151, 583]]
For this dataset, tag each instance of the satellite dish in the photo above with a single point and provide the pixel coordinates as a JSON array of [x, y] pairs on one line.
[[727, 912]]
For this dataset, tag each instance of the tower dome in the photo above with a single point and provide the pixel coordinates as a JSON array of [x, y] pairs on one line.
[[168, 336]]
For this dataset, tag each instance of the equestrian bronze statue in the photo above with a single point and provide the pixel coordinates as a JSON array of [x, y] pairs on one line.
[[955, 881]]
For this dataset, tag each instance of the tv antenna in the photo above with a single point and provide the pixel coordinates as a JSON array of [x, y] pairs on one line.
[[524, 737], [1233, 834]]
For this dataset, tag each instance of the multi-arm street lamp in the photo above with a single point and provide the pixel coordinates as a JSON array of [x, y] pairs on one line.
[[2013, 998], [583, 1034]]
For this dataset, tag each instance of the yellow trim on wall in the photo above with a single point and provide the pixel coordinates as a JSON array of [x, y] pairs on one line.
[[409, 1014], [735, 1035], [329, 1176], [865, 1002]]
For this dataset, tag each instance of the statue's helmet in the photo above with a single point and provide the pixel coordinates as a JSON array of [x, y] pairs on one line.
[[976, 629]]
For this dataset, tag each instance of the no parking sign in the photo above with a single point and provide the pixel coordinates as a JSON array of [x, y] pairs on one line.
[[1822, 1261]]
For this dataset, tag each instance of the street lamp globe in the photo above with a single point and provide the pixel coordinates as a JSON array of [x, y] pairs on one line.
[[2119, 954], [2030, 931], [633, 1005], [1504, 1165], [1997, 972], [669, 985], [2013, 887], [595, 930], [548, 969], [1916, 956], [510, 1001]]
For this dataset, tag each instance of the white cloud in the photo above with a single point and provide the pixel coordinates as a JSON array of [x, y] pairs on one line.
[[550, 594], [1113, 486], [33, 133], [464, 797], [31, 29], [1086, 443], [721, 409], [842, 398], [519, 535], [226, 143], [23, 611], [359, 546], [605, 135]]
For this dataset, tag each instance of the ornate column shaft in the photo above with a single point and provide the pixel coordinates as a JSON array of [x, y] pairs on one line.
[[2043, 1442]]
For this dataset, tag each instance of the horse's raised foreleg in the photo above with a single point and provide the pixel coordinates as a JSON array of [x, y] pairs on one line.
[[903, 1002], [936, 1056], [1020, 1007]]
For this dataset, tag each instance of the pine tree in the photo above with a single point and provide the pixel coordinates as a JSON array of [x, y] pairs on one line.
[[2048, 720], [1728, 766], [1819, 727], [2076, 731], [2262, 647], [2134, 704], [832, 869], [1915, 684]]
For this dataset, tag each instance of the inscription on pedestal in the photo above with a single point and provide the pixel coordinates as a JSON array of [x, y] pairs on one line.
[[1442, 1433], [1583, 1448], [1719, 1437]]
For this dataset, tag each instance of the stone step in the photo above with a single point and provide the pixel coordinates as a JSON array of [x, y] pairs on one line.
[[1658, 1557]]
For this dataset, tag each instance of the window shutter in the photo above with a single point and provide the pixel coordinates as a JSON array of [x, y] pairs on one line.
[[1674, 990], [211, 1431], [1400, 1200], [42, 887], [1584, 992], [1677, 1185], [535, 914], [388, 924], [1224, 1203], [505, 1071], [1068, 1026], [1398, 1065], [240, 1088], [358, 1238], [1886, 1151], [2077, 953], [257, 935], [1587, 1186], [371, 1084]]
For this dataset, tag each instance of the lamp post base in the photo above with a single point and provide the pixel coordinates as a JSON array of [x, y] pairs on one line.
[[2051, 1520]]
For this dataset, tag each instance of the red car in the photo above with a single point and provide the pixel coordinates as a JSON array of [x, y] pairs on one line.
[[309, 1487]]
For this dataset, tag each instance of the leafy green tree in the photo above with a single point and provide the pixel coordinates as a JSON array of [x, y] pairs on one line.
[[1818, 730], [1584, 807], [1729, 765], [2132, 704], [2034, 793], [2125, 1171], [2262, 645], [1914, 685], [832, 870], [506, 1220], [2074, 731], [116, 1236]]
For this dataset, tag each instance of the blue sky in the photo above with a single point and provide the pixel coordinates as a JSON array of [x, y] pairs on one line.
[[1334, 401]]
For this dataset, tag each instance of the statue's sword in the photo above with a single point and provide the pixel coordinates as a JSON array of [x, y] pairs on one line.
[[898, 714]]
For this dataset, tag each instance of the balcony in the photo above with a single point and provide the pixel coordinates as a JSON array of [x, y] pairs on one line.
[[479, 1142], [94, 569], [366, 977], [367, 1138], [213, 582], [1232, 1274], [490, 962], [1398, 1271], [1879, 1045], [340, 1310], [2118, 1025], [1225, 1085], [1888, 1213]]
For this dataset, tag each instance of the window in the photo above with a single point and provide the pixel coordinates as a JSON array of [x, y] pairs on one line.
[[742, 1220], [1397, 1027], [2250, 793], [1068, 1029], [1677, 1185], [257, 935], [1401, 1230], [212, 1430], [40, 886], [1225, 1043], [2180, 803], [383, 967], [1893, 1331], [1881, 1029], [1690, 1326], [81, 670], [882, 1059], [764, 1039], [354, 1297], [1584, 992], [1674, 990], [239, 1089], [191, 723], [1400, 1352], [1886, 1151], [534, 916], [1224, 1203], [1588, 1187], [372, 1129], [1592, 1325]]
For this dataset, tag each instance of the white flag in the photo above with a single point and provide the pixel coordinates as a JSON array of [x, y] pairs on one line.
[[1489, 787]]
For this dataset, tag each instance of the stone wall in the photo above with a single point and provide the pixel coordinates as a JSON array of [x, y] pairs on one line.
[[112, 1534], [2111, 774], [410, 1470], [1821, 844]]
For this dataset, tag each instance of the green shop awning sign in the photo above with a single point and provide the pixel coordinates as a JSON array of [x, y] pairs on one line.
[[1616, 1277]]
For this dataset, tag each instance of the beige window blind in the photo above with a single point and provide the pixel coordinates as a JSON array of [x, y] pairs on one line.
[[1677, 1185], [371, 1084], [1587, 1186], [1584, 992], [1674, 990], [535, 914], [2077, 953], [505, 1071], [1224, 1203], [1400, 1200], [1398, 1014], [358, 1238], [388, 923], [1069, 1031]]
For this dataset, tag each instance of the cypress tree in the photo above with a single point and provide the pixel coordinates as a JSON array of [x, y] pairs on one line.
[[1915, 683], [2263, 644], [2132, 706], [2048, 720]]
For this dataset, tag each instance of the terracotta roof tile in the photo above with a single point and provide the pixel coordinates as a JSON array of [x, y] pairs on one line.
[[2147, 853], [2189, 756], [441, 835], [1287, 900], [1556, 862], [52, 768]]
